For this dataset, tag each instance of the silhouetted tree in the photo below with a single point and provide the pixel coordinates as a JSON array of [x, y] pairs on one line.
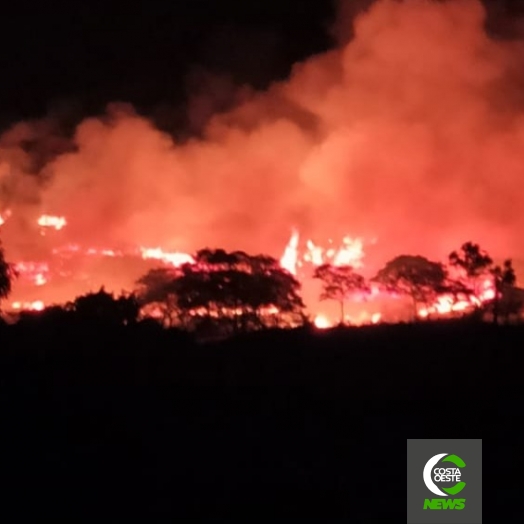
[[104, 307], [7, 274], [155, 290], [473, 262], [505, 275], [415, 276], [339, 283], [237, 289], [504, 280]]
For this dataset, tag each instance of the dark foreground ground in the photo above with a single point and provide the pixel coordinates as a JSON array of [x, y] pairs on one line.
[[102, 424]]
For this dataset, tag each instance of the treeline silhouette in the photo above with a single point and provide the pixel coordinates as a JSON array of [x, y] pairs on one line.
[[112, 417], [223, 294]]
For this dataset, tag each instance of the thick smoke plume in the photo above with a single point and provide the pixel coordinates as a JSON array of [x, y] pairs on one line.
[[411, 133]]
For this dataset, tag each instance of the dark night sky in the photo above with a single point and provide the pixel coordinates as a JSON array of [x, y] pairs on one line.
[[81, 55], [95, 52]]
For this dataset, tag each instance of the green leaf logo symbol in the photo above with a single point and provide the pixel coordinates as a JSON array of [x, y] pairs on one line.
[[457, 488]]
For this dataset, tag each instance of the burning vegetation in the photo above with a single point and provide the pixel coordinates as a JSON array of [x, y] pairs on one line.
[[408, 135], [222, 293]]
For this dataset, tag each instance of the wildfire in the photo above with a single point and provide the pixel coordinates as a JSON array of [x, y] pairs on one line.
[[349, 252], [37, 272], [290, 257], [384, 151], [375, 318], [487, 292], [173, 258], [37, 305], [44, 221], [322, 322], [103, 252], [51, 221], [447, 304]]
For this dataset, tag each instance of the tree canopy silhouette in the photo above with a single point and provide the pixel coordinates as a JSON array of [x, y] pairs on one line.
[[414, 276], [339, 283], [7, 274], [249, 291], [104, 307], [156, 292], [473, 262], [233, 289], [506, 301]]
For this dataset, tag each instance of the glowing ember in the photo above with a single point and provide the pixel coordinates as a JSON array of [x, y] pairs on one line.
[[37, 272], [446, 305], [40, 280], [269, 310], [53, 222], [363, 319], [487, 292], [174, 258], [70, 248], [37, 305], [103, 252], [322, 322]]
